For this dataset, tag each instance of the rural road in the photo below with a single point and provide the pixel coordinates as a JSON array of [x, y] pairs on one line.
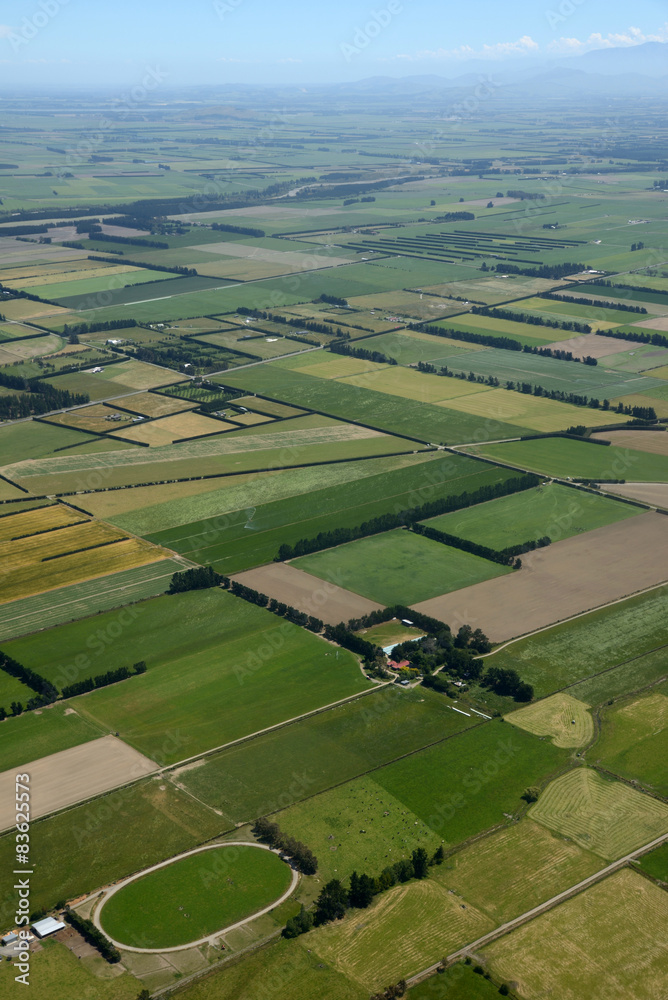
[[511, 925], [210, 938]]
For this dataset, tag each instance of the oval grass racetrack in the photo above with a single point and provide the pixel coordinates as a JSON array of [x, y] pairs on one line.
[[194, 897]]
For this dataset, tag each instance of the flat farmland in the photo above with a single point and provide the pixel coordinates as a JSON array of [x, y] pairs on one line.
[[656, 863], [591, 945], [445, 793], [273, 447], [563, 718], [595, 315], [70, 776], [603, 816], [652, 494], [47, 731], [634, 740], [258, 347], [589, 645], [656, 443], [56, 971], [423, 421], [567, 458], [45, 561], [551, 510], [399, 567], [35, 439], [241, 531], [322, 599], [410, 346], [207, 683], [551, 373], [526, 333], [165, 430], [536, 412], [153, 404], [38, 520], [95, 418], [85, 283], [80, 600], [459, 982], [334, 746], [639, 358], [423, 921], [410, 384], [511, 871], [562, 580], [267, 406], [95, 843]]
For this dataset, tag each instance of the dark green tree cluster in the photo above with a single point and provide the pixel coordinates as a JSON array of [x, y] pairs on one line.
[[455, 217], [241, 230], [286, 611], [361, 352], [658, 339], [333, 300], [387, 522], [45, 692], [432, 626], [579, 300], [102, 680], [93, 936], [171, 269], [486, 339], [302, 856], [199, 578], [80, 329], [525, 195], [392, 992], [466, 545], [35, 398], [506, 681], [307, 324], [552, 271], [342, 636]]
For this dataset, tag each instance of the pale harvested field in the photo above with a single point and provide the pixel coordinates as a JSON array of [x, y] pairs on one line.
[[173, 428], [93, 418], [655, 442], [140, 375], [306, 593], [152, 404], [291, 258], [592, 345], [564, 718], [79, 275], [655, 324], [655, 494], [39, 519], [36, 347], [608, 943], [562, 580], [26, 309], [61, 779]]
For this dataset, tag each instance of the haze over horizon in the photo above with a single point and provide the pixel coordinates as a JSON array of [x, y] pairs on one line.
[[62, 44]]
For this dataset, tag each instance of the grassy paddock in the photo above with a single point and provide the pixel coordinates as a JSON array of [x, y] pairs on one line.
[[565, 719], [634, 740], [579, 460]]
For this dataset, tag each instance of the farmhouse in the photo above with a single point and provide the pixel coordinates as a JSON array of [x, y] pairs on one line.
[[47, 926]]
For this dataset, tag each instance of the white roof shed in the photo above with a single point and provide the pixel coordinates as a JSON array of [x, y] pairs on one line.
[[47, 926]]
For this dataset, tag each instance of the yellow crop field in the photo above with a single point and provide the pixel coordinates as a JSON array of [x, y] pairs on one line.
[[607, 817], [410, 384], [39, 519], [153, 404], [30, 567], [610, 942], [567, 720], [534, 412], [54, 279], [173, 428], [404, 930], [140, 375]]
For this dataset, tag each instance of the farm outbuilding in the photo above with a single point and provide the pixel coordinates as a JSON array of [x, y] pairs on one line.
[[47, 926]]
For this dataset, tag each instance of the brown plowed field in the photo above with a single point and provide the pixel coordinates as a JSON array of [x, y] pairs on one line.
[[61, 779], [652, 493], [562, 580], [594, 346], [306, 593], [655, 442]]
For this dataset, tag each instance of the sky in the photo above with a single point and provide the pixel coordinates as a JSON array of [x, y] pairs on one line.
[[97, 43]]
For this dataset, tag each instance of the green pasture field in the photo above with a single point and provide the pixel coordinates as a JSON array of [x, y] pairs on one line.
[[399, 567], [310, 440], [633, 741], [459, 982], [31, 736], [564, 458], [421, 919], [12, 689], [251, 535], [583, 648], [624, 679], [422, 421], [604, 816], [56, 972], [561, 717], [195, 896], [550, 373], [445, 793], [90, 845], [314, 754], [258, 347], [511, 871], [656, 298], [102, 284], [211, 686], [656, 863], [553, 309], [147, 510], [80, 600], [590, 945], [640, 358], [10, 492], [35, 439], [409, 347], [418, 386], [296, 973], [525, 333], [551, 510]]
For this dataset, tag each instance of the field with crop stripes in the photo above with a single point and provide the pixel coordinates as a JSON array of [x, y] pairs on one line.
[[563, 718]]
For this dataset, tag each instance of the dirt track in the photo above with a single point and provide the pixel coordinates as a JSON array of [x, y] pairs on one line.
[[306, 593], [70, 776], [562, 580]]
